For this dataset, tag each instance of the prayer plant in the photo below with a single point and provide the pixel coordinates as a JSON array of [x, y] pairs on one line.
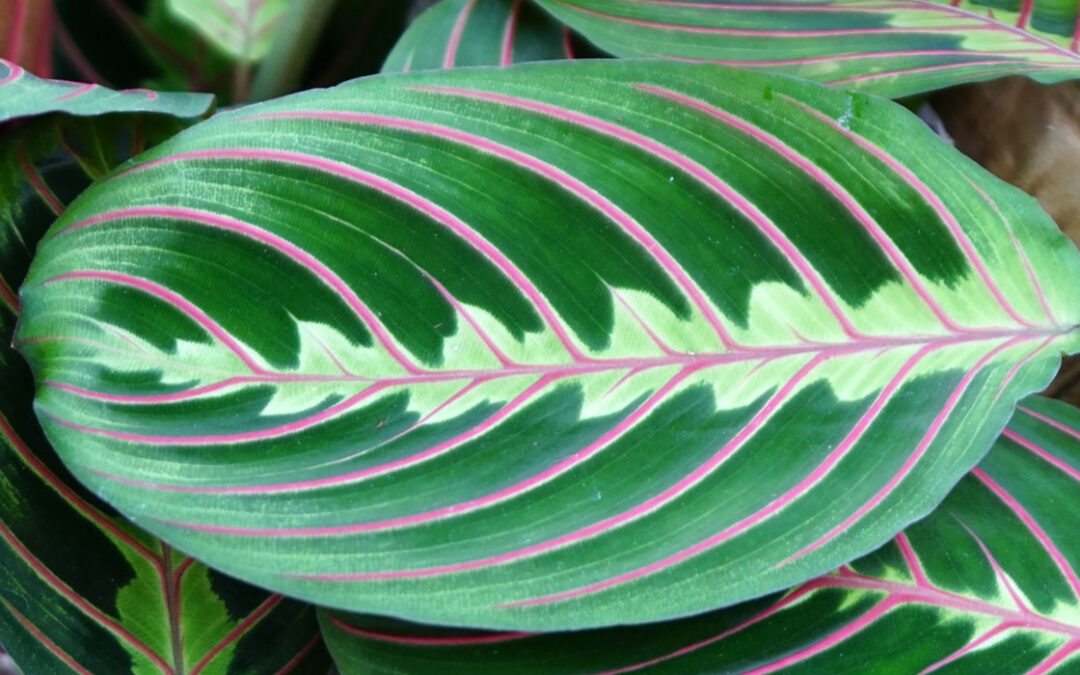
[[681, 350]]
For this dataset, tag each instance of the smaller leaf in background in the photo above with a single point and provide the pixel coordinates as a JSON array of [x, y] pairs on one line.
[[893, 48], [82, 590], [243, 29], [24, 95], [482, 33], [986, 584]]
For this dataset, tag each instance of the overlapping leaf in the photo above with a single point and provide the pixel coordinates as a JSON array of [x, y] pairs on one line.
[[472, 347], [888, 47], [986, 584], [82, 591], [481, 33], [26, 95]]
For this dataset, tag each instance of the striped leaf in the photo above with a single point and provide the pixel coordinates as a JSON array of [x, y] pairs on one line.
[[481, 33], [986, 584], [888, 47], [243, 29], [25, 95], [473, 347], [81, 590]]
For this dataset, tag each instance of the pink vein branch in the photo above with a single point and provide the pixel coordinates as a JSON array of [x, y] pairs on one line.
[[286, 248], [1033, 526], [928, 195], [833, 187], [242, 437], [45, 641], [913, 459], [555, 174], [699, 173], [507, 55], [1057, 424], [399, 193], [78, 601], [774, 507], [38, 183], [14, 72], [1036, 285], [450, 56], [174, 299], [1043, 454], [236, 633]]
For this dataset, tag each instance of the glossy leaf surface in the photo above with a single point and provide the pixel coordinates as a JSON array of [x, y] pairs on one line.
[[81, 590], [480, 33], [892, 48], [471, 347], [986, 584]]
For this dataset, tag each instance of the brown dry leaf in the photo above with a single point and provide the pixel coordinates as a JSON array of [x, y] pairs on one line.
[[1029, 135]]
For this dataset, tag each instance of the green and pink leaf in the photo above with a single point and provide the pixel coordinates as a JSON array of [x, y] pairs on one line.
[[422, 347], [987, 583]]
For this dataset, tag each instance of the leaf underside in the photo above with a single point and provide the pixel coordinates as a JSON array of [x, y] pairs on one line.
[[986, 584], [81, 590], [888, 47], [477, 348]]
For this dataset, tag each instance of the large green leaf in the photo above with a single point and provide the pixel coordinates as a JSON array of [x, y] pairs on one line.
[[476, 347], [81, 590], [888, 47], [986, 584], [480, 33]]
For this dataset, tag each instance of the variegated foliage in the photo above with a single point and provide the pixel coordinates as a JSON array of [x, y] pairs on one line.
[[888, 47], [81, 590], [482, 33], [473, 347], [986, 584]]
